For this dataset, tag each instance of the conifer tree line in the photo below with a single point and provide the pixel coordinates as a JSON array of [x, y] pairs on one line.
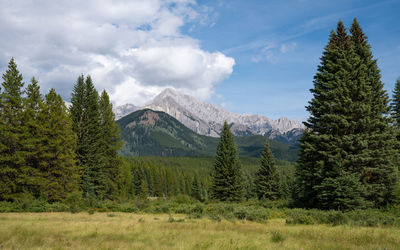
[[48, 151], [141, 179], [349, 150], [37, 144]]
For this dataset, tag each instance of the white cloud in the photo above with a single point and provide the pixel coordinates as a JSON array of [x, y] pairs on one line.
[[289, 47], [133, 49]]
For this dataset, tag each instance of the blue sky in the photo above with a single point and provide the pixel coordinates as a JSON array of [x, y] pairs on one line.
[[248, 56], [277, 45]]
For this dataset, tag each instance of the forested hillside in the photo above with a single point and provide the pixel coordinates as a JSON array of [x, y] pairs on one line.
[[148, 132]]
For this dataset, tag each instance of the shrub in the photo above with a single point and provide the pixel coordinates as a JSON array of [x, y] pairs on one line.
[[277, 237], [299, 216], [74, 201]]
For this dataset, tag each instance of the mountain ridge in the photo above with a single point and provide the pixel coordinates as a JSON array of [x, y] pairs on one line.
[[155, 133], [207, 119]]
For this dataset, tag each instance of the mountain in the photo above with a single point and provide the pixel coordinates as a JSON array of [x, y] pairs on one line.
[[207, 119], [123, 110], [148, 132]]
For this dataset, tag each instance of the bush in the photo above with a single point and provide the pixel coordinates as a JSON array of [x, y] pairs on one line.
[[196, 212], [74, 201], [299, 216], [171, 219], [277, 237]]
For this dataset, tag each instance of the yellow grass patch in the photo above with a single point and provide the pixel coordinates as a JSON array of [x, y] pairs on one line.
[[148, 231]]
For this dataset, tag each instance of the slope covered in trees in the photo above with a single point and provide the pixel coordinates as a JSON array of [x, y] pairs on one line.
[[147, 132]]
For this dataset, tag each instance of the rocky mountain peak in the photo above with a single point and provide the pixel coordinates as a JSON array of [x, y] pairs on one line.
[[207, 119]]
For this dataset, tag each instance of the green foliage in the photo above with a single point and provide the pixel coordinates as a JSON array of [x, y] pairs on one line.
[[33, 146], [196, 189], [148, 132], [75, 202], [14, 175], [267, 178], [57, 150], [97, 141], [348, 132], [277, 237], [227, 176], [396, 104], [110, 144]]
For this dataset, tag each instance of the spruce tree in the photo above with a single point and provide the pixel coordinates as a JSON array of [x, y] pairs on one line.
[[144, 190], [267, 177], [379, 172], [58, 150], [346, 154], [13, 177], [196, 189], [33, 147], [77, 111], [110, 143], [85, 113], [227, 179], [396, 104], [94, 179]]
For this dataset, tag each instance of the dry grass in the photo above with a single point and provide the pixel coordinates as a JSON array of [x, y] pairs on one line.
[[145, 231]]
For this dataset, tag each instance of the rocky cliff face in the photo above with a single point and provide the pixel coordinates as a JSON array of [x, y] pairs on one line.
[[123, 110], [207, 119]]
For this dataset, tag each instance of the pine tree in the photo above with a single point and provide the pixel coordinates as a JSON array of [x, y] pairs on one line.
[[347, 147], [33, 105], [77, 111], [331, 125], [138, 177], [396, 104], [13, 178], [227, 174], [58, 156], [267, 178], [110, 143], [144, 190], [85, 113], [196, 189], [379, 173]]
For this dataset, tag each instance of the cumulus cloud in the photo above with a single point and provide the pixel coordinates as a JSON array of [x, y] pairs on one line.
[[133, 49]]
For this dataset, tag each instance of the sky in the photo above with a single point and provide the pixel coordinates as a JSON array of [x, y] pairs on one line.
[[247, 56]]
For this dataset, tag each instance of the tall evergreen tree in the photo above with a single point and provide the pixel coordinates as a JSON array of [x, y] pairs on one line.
[[196, 189], [346, 131], [396, 104], [86, 119], [267, 177], [58, 156], [110, 143], [379, 172], [13, 178], [227, 176], [94, 179], [33, 106], [77, 111]]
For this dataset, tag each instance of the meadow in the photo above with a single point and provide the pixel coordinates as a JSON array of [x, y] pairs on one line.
[[107, 230]]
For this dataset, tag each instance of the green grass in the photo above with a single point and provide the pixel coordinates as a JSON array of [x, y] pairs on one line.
[[147, 231]]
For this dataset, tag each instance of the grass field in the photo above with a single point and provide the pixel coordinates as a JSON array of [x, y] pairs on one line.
[[149, 231]]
